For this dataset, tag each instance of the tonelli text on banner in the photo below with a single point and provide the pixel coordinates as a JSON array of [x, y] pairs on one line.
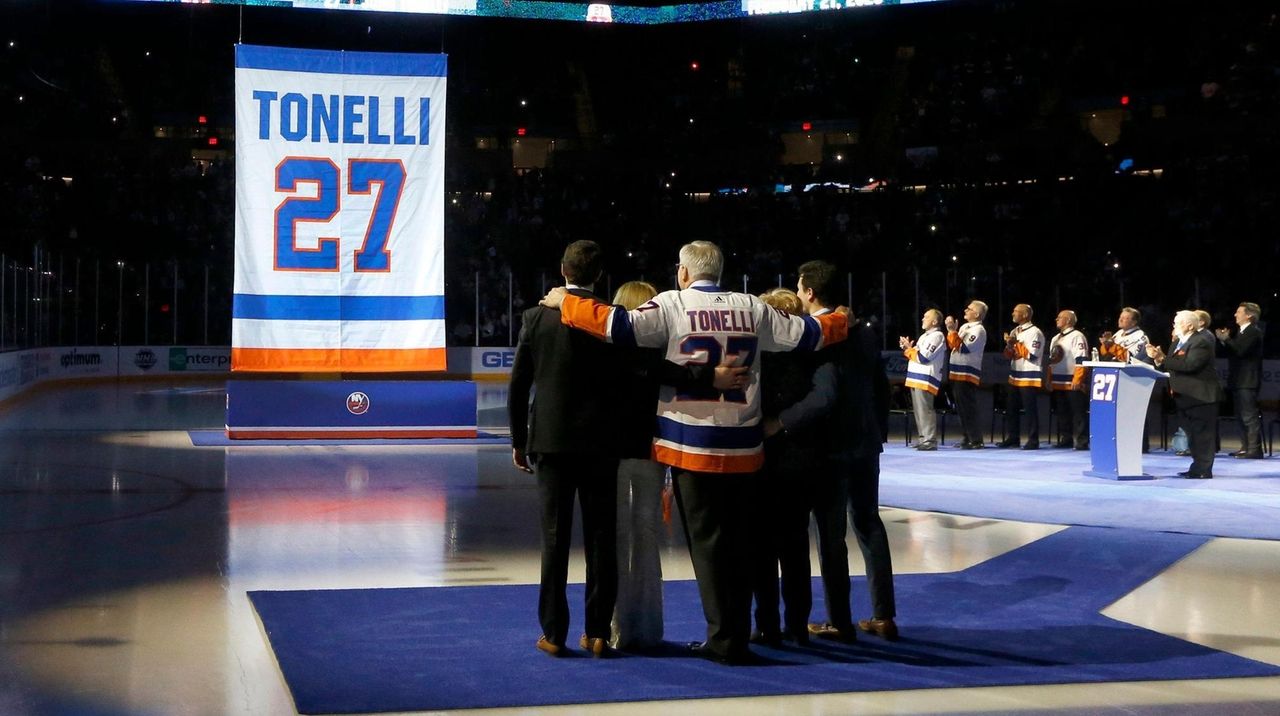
[[339, 211]]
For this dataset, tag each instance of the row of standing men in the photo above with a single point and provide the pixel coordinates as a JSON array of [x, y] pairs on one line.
[[1058, 366]]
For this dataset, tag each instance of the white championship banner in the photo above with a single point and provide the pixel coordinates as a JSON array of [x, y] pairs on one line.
[[339, 211]]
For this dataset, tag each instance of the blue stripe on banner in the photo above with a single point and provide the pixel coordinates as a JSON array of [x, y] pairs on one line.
[[965, 369], [1026, 374], [334, 308], [710, 436], [620, 332], [397, 64], [812, 334]]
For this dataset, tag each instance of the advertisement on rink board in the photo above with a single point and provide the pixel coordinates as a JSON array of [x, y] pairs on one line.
[[22, 369]]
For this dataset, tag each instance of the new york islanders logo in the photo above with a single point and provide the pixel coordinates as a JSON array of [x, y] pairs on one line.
[[357, 403]]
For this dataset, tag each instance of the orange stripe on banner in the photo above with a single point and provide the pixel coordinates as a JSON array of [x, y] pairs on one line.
[[317, 360], [963, 378], [345, 434], [1025, 382], [708, 463]]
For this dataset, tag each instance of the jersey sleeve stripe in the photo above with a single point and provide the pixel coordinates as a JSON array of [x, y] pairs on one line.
[[586, 314], [621, 331]]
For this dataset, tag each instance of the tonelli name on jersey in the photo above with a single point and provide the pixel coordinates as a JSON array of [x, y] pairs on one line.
[[339, 211], [707, 431]]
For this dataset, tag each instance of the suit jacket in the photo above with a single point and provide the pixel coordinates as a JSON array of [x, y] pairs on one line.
[[575, 378], [1244, 359], [789, 390], [860, 424], [1192, 375]]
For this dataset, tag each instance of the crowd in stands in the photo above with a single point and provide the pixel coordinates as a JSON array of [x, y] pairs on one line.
[[987, 176]]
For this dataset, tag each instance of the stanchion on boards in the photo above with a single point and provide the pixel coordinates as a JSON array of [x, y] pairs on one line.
[[1118, 399]]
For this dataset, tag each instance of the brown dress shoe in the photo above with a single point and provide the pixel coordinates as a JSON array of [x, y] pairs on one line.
[[545, 645], [883, 628], [596, 646], [827, 630]]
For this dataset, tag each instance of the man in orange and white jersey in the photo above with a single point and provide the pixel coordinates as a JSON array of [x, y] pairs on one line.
[[1024, 347], [926, 359], [967, 343], [712, 441], [1067, 351], [1129, 343]]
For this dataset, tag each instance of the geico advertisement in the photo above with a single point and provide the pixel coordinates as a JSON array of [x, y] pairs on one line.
[[480, 361]]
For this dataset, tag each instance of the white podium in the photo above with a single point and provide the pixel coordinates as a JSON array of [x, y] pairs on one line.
[[1118, 399]]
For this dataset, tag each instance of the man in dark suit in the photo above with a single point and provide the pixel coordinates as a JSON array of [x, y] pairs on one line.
[[569, 436], [855, 429], [1244, 376], [1193, 380]]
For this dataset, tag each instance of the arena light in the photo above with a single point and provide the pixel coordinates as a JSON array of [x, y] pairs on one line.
[[213, 141], [202, 119], [1124, 101], [806, 126], [521, 131], [693, 66]]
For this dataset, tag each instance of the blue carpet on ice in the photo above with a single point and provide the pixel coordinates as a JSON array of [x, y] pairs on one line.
[[218, 438], [1026, 617], [1242, 499]]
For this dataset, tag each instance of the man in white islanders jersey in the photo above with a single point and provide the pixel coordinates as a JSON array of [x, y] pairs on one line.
[[712, 441], [1067, 351], [967, 342]]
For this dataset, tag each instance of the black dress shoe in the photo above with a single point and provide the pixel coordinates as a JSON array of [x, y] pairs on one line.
[[1064, 444], [798, 635], [1082, 446], [1247, 455], [1031, 446], [1195, 475], [1008, 443], [742, 658], [1181, 453], [767, 638]]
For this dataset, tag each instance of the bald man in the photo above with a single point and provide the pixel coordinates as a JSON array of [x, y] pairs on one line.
[[1024, 347], [1068, 350]]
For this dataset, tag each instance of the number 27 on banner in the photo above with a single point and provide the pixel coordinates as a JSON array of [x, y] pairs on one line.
[[362, 174]]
